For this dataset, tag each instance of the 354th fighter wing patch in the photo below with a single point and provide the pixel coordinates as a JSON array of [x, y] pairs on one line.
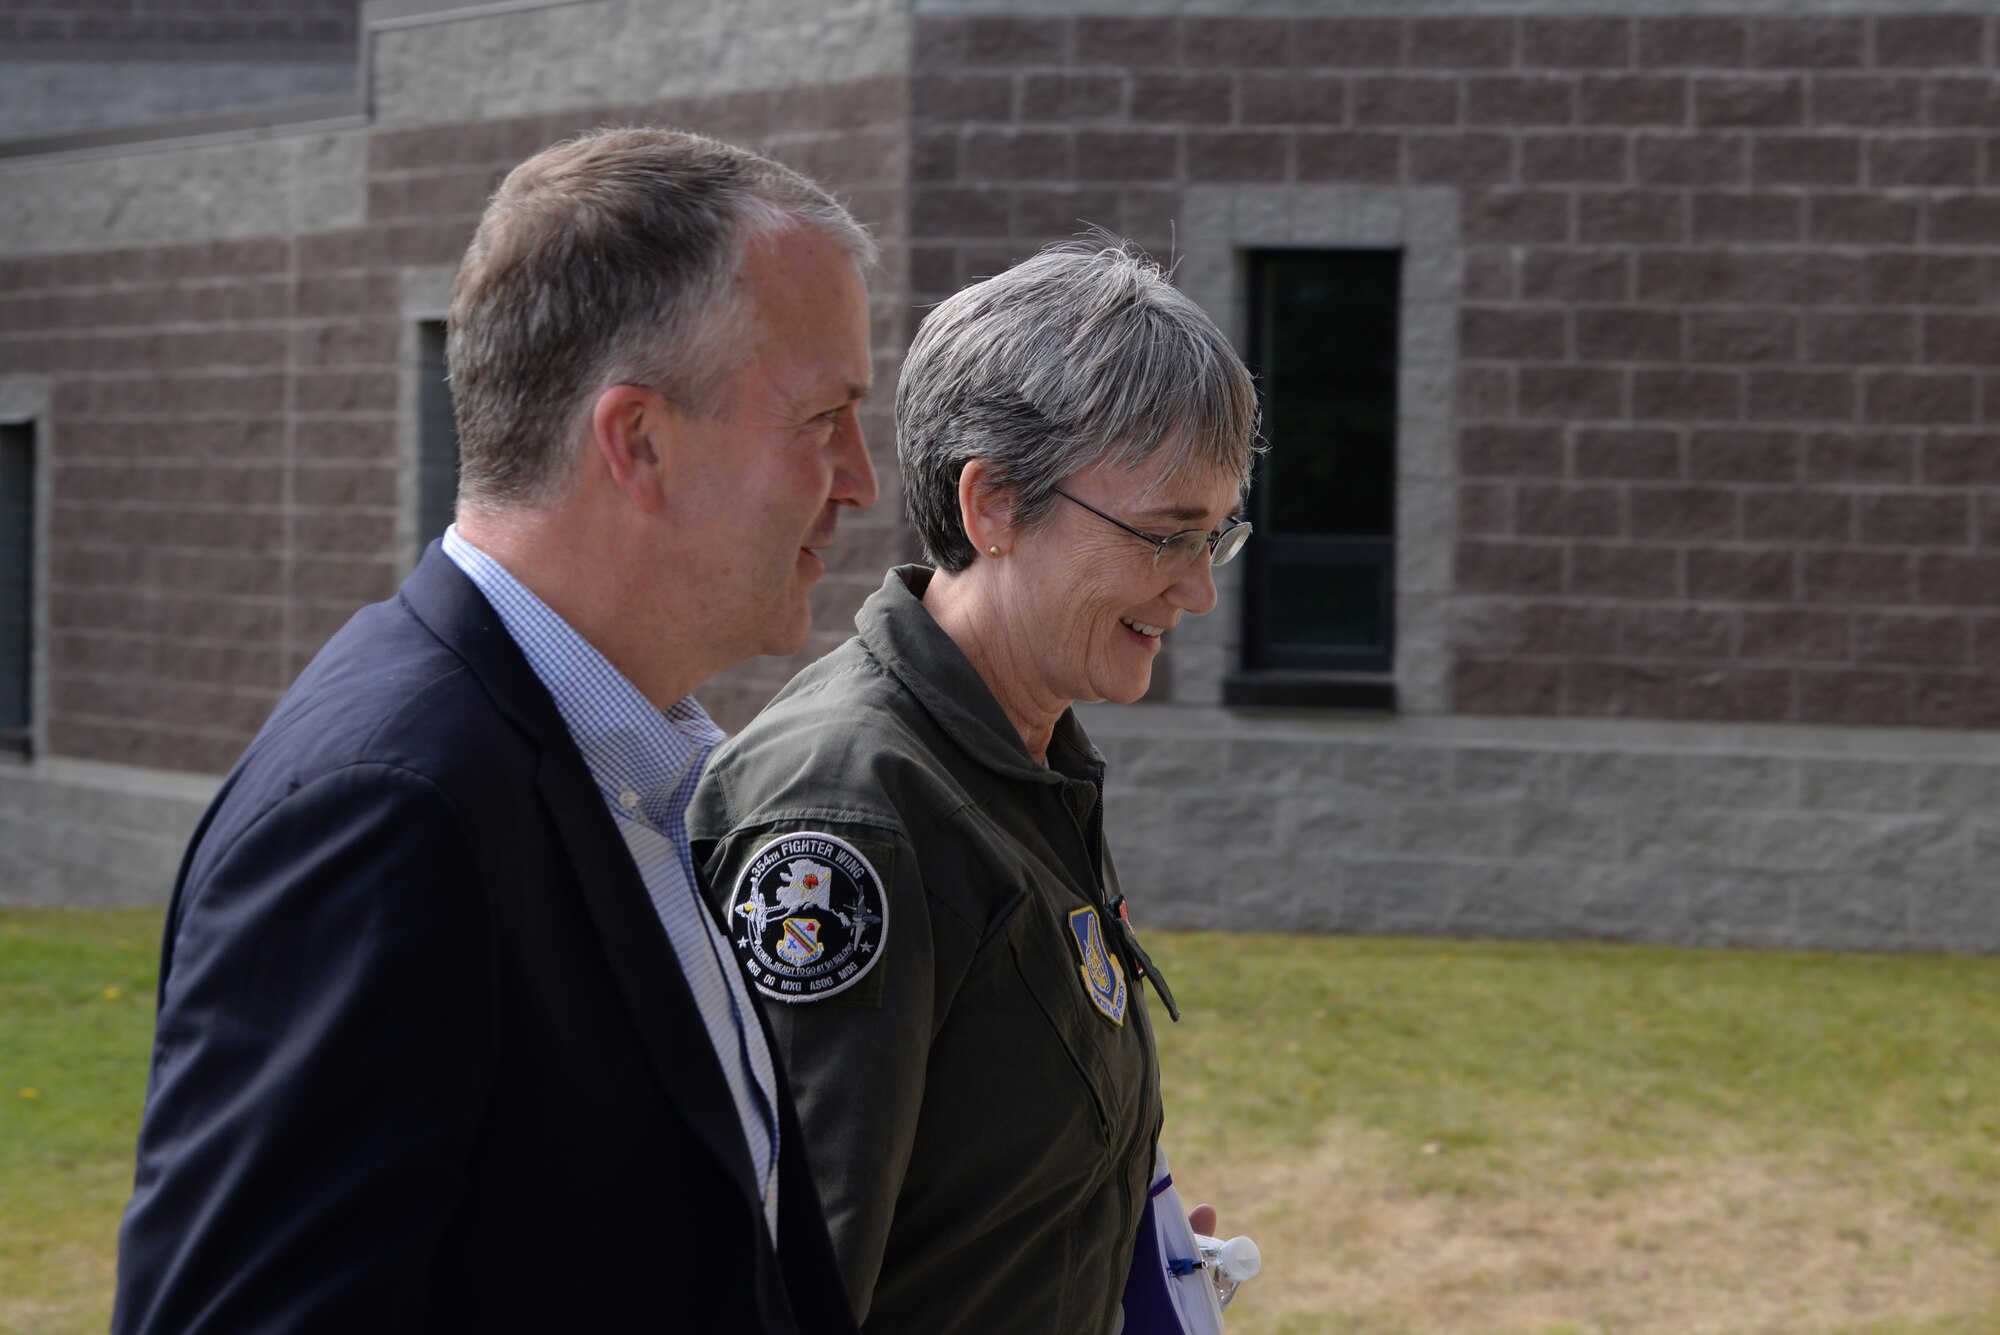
[[808, 917]]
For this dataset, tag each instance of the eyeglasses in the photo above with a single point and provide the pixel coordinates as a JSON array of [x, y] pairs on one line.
[[1177, 551]]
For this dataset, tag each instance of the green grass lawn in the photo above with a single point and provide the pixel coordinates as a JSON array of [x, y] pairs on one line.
[[1487, 1136], [1423, 1136], [76, 1022]]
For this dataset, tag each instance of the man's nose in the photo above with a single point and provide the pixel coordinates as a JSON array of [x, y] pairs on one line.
[[854, 481]]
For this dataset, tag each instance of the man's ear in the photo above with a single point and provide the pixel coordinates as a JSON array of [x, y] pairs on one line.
[[984, 508], [632, 431]]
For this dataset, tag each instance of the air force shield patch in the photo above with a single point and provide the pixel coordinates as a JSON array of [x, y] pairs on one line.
[[1103, 976], [808, 917]]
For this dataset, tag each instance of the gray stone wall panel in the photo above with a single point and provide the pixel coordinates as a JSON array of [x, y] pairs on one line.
[[1954, 916], [1283, 766], [1798, 838], [1509, 900], [1497, 774], [1628, 904], [179, 196], [49, 97], [1737, 782], [1562, 836], [1410, 895], [1954, 787], [90, 836], [1850, 785], [1387, 774], [1854, 912], [611, 52], [1425, 830]]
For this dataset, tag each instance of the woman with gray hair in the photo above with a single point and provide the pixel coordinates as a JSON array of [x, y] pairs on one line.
[[908, 843]]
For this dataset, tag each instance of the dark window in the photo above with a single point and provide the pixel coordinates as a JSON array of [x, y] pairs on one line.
[[437, 437], [17, 585], [1320, 575]]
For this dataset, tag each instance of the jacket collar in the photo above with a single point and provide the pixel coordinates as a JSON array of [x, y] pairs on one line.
[[635, 943], [901, 633]]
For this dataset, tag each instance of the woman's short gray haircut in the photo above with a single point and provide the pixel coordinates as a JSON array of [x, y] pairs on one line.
[[605, 260], [1086, 354]]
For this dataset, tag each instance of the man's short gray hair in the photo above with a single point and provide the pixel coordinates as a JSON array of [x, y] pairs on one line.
[[1084, 355], [605, 260]]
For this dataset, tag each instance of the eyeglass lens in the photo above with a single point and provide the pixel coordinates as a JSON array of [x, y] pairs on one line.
[[1183, 548]]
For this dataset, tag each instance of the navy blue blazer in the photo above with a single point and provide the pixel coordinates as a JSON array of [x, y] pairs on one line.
[[425, 1059]]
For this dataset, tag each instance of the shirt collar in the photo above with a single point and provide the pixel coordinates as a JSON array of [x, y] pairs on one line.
[[899, 630], [645, 760]]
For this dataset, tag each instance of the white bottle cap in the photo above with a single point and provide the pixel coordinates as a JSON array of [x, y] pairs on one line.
[[1240, 1259]]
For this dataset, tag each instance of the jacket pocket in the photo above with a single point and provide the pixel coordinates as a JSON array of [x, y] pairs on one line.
[[1050, 972]]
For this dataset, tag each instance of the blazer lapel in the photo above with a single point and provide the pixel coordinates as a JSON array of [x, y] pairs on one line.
[[643, 962], [635, 943]]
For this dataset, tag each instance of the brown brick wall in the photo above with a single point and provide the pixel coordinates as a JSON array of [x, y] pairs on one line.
[[225, 426], [1730, 427]]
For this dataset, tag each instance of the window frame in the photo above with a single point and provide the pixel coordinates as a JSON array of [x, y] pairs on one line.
[[1374, 553], [1218, 226], [424, 298], [433, 404], [19, 739]]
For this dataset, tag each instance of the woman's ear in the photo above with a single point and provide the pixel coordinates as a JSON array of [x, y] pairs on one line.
[[985, 509], [631, 431]]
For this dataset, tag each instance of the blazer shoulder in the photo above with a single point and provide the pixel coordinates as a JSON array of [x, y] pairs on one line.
[[385, 691]]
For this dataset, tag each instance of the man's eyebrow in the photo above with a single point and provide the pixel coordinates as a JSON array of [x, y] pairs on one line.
[[854, 390], [815, 400]]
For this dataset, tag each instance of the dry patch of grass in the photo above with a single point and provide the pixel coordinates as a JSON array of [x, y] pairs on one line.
[[1355, 1243], [1429, 1138], [69, 1284]]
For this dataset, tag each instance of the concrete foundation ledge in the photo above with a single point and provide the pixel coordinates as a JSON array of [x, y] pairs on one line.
[[1792, 837], [77, 834]]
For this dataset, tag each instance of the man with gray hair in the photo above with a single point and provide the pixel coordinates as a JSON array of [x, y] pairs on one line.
[[446, 1039]]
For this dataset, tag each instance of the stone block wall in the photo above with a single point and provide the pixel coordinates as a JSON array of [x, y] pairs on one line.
[[1554, 830], [82, 835]]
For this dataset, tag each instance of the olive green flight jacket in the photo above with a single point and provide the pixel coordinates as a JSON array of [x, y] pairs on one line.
[[982, 1103]]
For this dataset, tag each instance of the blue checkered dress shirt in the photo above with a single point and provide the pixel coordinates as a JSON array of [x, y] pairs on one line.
[[646, 764]]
